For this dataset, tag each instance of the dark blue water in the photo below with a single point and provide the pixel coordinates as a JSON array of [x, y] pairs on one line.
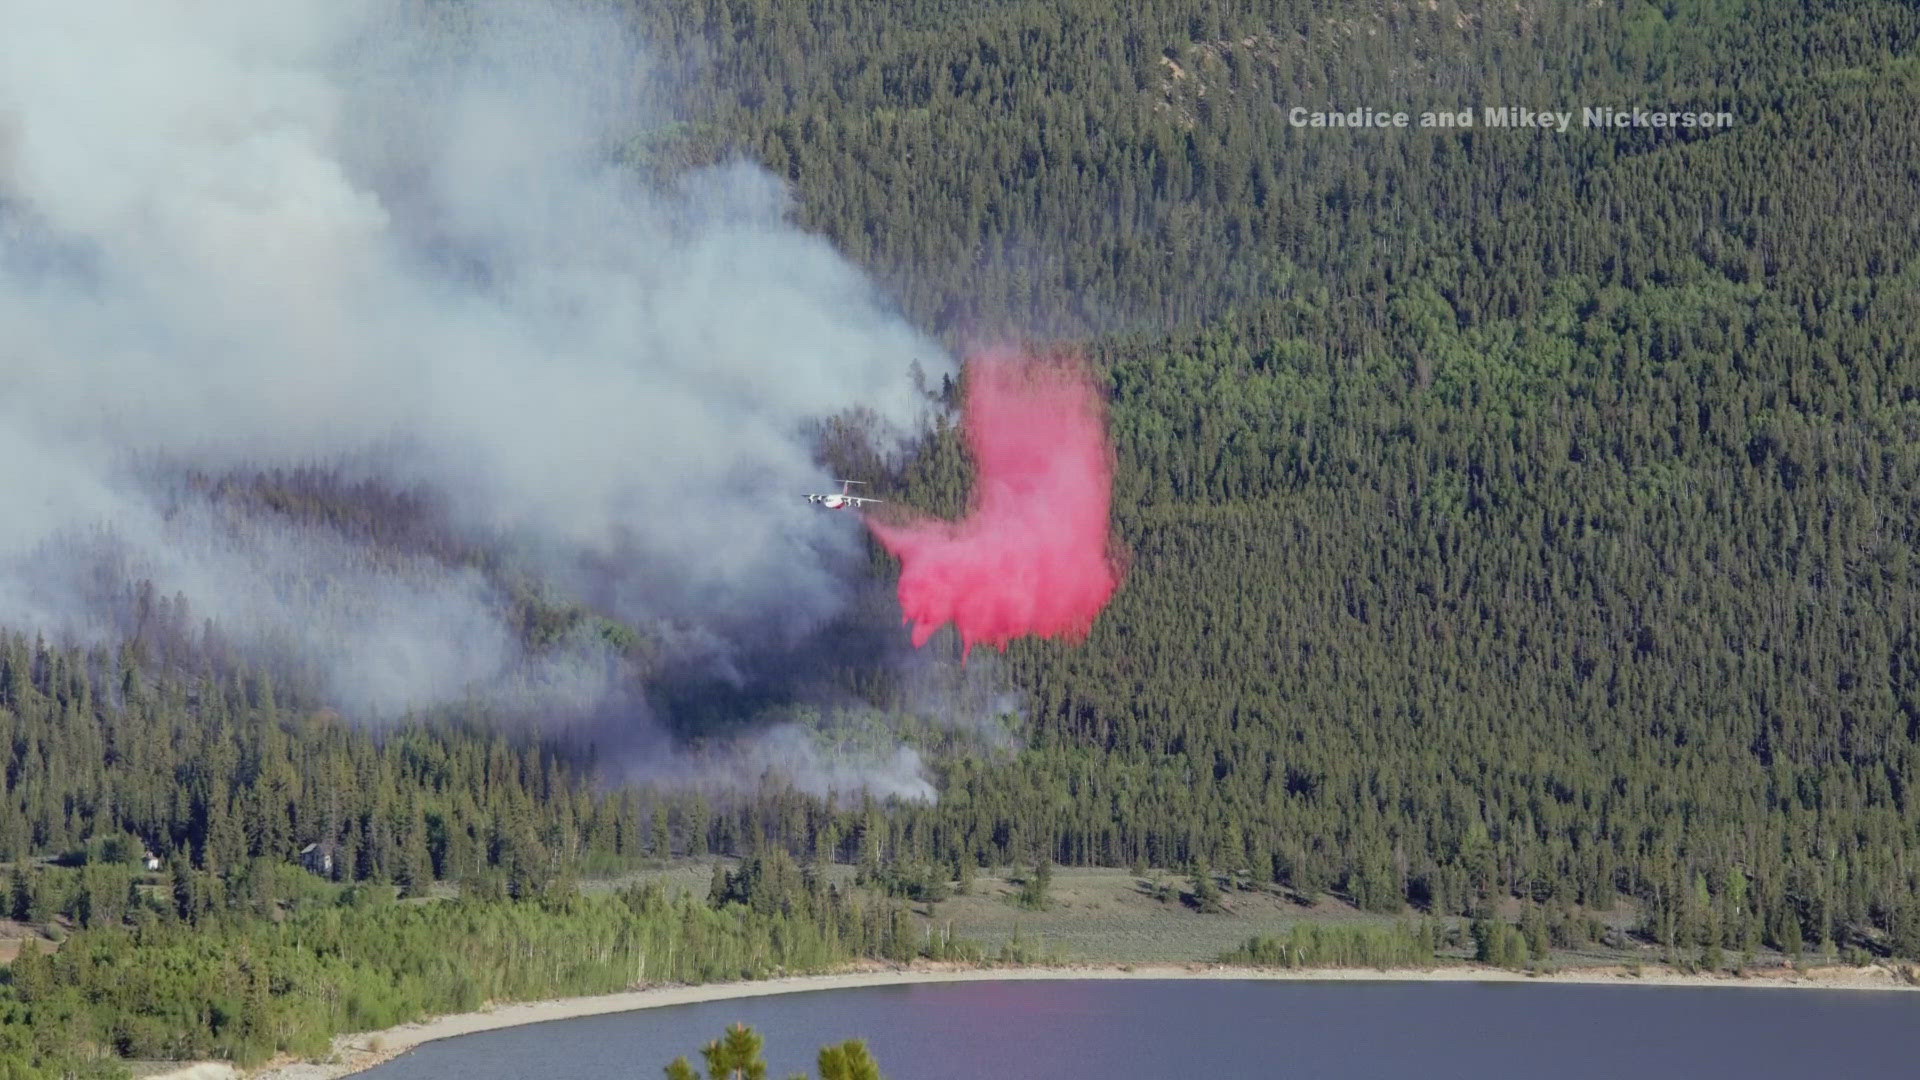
[[1156, 1030]]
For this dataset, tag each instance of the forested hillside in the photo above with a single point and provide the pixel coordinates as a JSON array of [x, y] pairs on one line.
[[1511, 514]]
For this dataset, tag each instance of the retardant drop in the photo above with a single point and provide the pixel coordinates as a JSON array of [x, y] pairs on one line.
[[1034, 554]]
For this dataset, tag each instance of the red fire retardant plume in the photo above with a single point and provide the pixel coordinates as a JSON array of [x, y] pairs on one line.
[[1032, 556]]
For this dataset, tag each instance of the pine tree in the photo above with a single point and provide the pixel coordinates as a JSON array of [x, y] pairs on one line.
[[848, 1061], [1206, 892], [736, 1055], [25, 906], [1034, 890], [186, 889]]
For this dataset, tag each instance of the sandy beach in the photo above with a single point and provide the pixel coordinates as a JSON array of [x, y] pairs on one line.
[[358, 1052]]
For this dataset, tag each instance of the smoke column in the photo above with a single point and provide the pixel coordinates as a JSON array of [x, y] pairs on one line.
[[400, 241], [1033, 555]]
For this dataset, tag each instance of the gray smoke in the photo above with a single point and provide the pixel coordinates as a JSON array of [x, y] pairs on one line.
[[833, 745], [402, 242], [801, 756]]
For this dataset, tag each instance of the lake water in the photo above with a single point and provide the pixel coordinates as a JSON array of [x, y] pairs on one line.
[[1161, 1029]]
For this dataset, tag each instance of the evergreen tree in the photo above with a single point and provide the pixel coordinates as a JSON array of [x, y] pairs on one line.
[[1206, 892], [736, 1055], [848, 1061]]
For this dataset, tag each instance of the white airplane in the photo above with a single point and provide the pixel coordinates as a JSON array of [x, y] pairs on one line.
[[844, 499]]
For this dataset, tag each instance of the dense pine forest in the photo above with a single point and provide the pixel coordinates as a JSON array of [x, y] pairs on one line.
[[1511, 516]]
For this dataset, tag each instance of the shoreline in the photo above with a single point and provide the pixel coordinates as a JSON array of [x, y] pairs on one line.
[[358, 1052]]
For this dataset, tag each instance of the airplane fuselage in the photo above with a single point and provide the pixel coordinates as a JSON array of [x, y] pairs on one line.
[[842, 499]]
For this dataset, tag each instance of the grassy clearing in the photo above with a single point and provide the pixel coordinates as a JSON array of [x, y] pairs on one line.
[[1102, 915], [1093, 915], [1115, 916]]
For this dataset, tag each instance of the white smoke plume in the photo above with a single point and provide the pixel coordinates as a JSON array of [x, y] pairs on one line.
[[399, 241], [794, 755]]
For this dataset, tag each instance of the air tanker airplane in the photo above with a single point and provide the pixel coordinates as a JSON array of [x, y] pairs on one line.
[[844, 499]]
